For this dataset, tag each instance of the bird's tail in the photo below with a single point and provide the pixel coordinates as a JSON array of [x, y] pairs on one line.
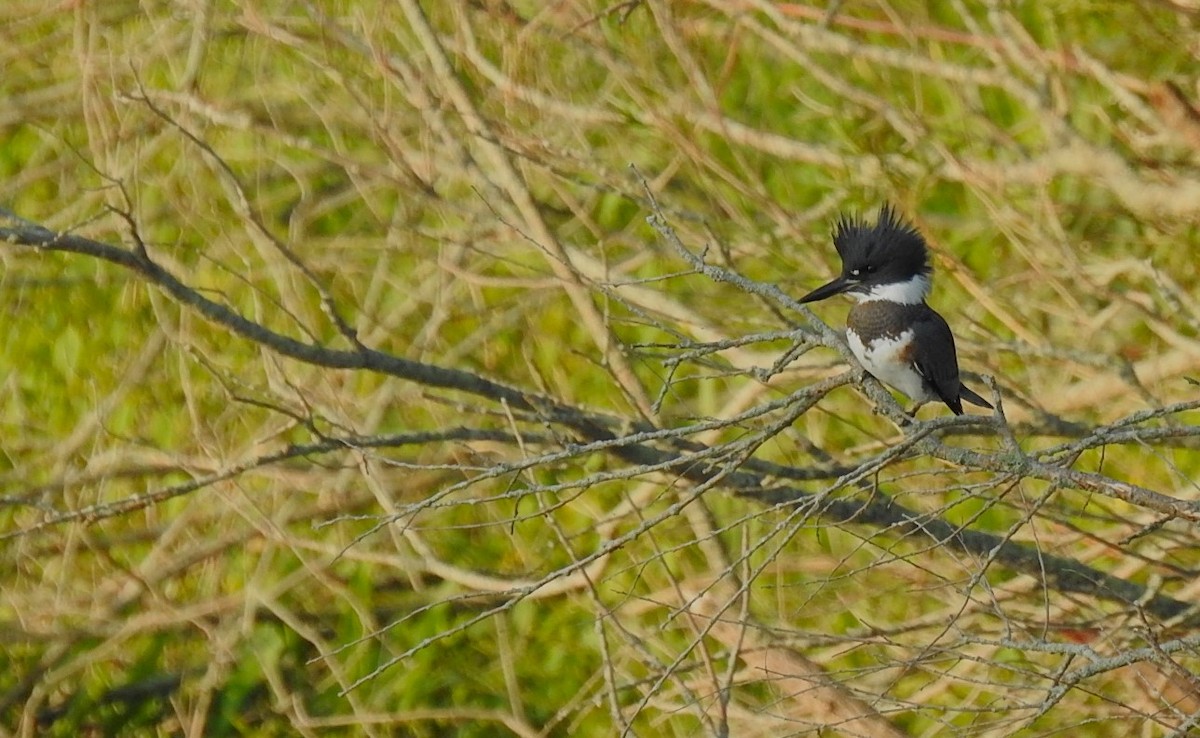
[[970, 396]]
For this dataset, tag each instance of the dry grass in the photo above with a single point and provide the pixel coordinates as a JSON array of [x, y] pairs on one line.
[[210, 533]]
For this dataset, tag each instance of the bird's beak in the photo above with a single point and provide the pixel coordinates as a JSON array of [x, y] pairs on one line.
[[836, 287]]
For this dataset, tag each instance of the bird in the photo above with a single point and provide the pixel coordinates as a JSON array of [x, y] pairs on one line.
[[893, 333]]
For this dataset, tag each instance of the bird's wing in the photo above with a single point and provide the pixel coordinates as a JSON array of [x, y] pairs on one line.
[[938, 366]]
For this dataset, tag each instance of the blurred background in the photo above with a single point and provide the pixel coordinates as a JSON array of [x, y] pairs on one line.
[[203, 537]]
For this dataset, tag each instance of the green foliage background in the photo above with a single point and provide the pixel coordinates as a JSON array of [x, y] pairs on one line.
[[268, 153]]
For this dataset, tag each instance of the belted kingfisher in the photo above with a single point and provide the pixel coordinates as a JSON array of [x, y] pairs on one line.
[[899, 339]]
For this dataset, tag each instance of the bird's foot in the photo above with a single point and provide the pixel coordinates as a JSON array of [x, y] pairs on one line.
[[911, 415]]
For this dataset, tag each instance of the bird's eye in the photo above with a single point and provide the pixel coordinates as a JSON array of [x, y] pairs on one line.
[[869, 268]]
